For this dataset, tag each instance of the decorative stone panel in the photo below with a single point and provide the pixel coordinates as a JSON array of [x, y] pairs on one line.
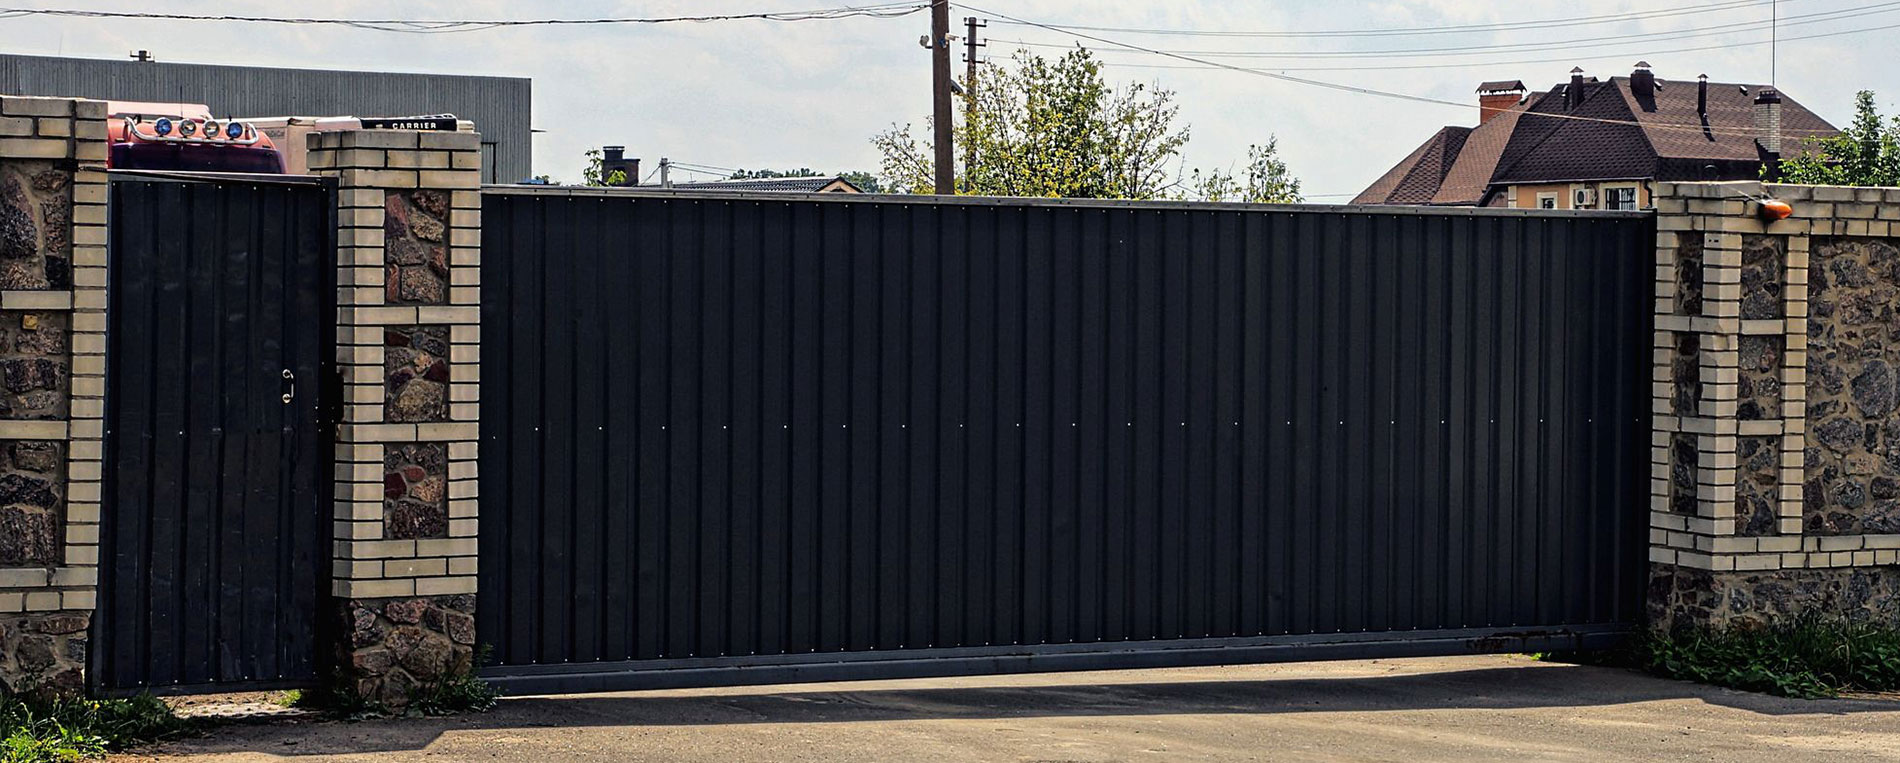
[[1685, 373], [394, 646], [416, 253], [36, 220], [1757, 491], [1762, 265], [1688, 276], [416, 367], [1683, 453], [35, 367], [44, 655], [32, 502], [416, 490], [1852, 460], [1758, 377]]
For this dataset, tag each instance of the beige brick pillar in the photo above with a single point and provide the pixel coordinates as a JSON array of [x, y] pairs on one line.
[[408, 331], [1776, 445], [52, 355]]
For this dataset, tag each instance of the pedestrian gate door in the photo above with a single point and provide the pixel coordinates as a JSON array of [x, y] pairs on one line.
[[217, 466]]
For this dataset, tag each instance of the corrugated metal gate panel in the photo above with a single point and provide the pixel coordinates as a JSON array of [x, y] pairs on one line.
[[737, 428], [216, 489]]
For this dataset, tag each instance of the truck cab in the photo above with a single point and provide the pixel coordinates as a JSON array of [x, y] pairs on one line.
[[146, 135]]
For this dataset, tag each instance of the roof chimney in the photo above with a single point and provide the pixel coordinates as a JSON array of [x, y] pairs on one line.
[[1702, 96], [1643, 86], [615, 158], [1768, 129], [1497, 96], [1573, 94]]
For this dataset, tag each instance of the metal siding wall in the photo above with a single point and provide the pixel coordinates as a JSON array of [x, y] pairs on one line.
[[728, 427], [499, 106]]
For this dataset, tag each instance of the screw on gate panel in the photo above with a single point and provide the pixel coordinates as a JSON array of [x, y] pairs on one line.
[[30, 322]]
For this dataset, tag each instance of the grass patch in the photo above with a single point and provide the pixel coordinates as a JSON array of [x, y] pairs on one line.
[[1809, 658], [63, 730], [455, 694]]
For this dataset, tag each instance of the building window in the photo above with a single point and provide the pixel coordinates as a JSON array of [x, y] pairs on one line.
[[1546, 201], [1623, 197]]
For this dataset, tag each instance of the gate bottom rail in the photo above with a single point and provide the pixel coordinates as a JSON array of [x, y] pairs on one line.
[[1041, 658]]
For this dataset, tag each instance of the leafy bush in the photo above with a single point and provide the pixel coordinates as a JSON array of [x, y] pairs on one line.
[[1809, 658], [59, 730]]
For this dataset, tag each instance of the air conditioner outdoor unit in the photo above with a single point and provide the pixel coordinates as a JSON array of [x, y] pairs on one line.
[[1585, 197]]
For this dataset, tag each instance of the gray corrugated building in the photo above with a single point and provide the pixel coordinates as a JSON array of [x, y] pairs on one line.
[[499, 106]]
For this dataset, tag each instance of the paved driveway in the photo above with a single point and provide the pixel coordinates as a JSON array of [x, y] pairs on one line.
[[1503, 707]]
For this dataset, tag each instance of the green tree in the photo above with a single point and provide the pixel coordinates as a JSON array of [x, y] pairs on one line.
[[865, 181], [1265, 181], [1866, 153], [1057, 129], [1049, 128], [591, 174]]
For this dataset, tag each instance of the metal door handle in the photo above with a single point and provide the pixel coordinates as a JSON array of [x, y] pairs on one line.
[[290, 382]]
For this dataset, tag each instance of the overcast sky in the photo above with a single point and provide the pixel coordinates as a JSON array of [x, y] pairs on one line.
[[763, 94]]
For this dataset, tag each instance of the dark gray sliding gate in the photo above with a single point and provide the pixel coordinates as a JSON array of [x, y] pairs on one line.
[[217, 487], [738, 439]]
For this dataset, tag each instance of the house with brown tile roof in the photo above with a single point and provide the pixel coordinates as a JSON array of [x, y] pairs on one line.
[[1597, 144]]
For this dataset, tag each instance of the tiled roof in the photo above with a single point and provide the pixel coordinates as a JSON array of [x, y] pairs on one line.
[[1500, 86], [1613, 133], [1572, 145], [794, 184], [1416, 178], [1470, 175]]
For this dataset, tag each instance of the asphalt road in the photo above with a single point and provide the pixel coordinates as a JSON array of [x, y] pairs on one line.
[[1496, 708]]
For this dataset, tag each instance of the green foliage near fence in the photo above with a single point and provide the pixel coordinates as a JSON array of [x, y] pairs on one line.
[[1808, 658], [36, 730]]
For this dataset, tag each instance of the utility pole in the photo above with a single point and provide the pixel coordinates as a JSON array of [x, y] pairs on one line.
[[940, 96], [970, 44], [666, 175]]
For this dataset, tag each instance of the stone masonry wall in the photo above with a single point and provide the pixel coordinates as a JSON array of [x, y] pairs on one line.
[[395, 645], [1794, 440], [52, 384], [1852, 465], [409, 296]]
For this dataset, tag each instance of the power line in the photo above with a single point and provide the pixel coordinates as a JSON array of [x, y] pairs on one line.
[[1450, 29], [1477, 64], [1580, 43], [1356, 88], [421, 26], [710, 167]]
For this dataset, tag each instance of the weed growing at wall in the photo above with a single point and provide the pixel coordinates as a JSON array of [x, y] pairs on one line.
[[453, 693], [61, 730], [1808, 658], [459, 692]]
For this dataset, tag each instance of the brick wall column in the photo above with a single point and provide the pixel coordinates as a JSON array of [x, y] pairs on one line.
[[408, 331], [52, 358], [1776, 439]]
